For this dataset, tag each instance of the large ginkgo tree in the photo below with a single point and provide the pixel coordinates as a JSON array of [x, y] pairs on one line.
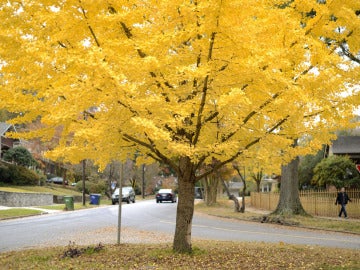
[[187, 83]]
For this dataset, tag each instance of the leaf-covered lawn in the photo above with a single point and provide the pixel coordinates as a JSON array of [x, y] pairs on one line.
[[206, 255], [225, 208]]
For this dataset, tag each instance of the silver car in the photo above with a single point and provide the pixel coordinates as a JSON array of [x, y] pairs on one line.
[[128, 195]]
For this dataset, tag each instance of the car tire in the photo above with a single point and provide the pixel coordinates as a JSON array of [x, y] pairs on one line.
[[128, 201]]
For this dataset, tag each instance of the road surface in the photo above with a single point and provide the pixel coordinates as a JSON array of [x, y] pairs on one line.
[[99, 224]]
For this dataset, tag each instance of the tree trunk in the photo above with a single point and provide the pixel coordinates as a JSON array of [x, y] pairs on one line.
[[211, 184], [242, 177], [185, 207], [231, 197], [257, 181], [242, 209], [289, 201]]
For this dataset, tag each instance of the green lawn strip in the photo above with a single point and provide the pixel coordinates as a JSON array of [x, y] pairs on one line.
[[12, 189], [23, 212], [77, 205], [18, 212], [48, 188], [206, 255]]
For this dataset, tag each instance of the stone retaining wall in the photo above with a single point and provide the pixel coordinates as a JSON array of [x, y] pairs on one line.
[[21, 199]]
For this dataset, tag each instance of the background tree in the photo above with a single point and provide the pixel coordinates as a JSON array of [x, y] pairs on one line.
[[212, 183], [242, 177], [257, 177], [5, 115], [306, 168], [180, 82], [289, 200], [20, 156], [339, 171]]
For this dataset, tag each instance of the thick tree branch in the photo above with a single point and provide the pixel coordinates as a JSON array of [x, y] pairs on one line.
[[204, 93], [153, 149], [348, 54], [88, 25], [248, 146]]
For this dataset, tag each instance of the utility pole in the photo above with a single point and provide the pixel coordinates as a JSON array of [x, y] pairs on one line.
[[120, 203], [143, 181], [83, 182]]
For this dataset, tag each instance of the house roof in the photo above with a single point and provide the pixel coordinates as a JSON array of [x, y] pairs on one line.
[[4, 127], [346, 145]]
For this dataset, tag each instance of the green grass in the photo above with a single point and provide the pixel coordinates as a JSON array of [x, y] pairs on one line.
[[48, 188], [206, 255], [77, 206], [18, 212]]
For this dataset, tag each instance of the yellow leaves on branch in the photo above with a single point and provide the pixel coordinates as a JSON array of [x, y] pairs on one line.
[[149, 128], [204, 79]]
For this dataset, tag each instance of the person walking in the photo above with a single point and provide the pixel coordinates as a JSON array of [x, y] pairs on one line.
[[342, 199]]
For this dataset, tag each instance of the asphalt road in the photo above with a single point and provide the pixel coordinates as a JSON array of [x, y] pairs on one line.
[[158, 219]]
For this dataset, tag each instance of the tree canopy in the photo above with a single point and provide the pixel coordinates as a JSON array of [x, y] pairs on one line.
[[182, 82], [20, 155], [339, 171]]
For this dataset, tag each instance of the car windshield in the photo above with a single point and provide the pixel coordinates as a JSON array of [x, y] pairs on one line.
[[124, 190], [165, 191]]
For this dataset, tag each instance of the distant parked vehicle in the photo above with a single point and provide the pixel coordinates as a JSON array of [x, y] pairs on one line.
[[128, 195], [199, 193], [165, 195], [56, 180]]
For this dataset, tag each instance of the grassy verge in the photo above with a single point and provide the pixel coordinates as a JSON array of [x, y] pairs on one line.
[[48, 188], [206, 255], [224, 208], [77, 206], [18, 212], [24, 212]]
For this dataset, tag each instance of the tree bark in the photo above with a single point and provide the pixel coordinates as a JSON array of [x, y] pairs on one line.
[[231, 197], [242, 209], [211, 184], [242, 177], [185, 207], [289, 201]]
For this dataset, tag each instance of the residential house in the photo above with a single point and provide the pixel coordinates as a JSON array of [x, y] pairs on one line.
[[346, 146], [7, 143]]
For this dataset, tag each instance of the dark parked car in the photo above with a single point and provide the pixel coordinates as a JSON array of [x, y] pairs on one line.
[[199, 193], [56, 180], [128, 195], [165, 195]]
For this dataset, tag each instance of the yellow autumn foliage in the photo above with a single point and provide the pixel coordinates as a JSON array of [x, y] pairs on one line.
[[169, 79]]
